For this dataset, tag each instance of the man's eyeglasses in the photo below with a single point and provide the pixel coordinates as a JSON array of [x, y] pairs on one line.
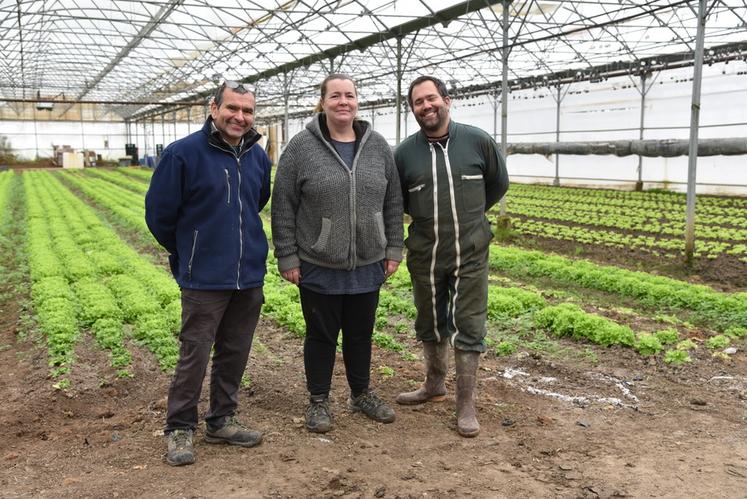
[[238, 86]]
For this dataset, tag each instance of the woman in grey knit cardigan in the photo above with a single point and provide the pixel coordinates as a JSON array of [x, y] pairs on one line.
[[337, 232]]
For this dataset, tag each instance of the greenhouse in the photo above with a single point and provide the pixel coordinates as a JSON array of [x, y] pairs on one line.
[[616, 313]]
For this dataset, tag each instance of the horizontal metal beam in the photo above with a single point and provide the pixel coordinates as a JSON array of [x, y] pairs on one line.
[[721, 53], [107, 102]]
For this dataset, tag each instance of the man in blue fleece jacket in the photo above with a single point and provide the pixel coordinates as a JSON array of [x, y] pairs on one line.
[[203, 207]]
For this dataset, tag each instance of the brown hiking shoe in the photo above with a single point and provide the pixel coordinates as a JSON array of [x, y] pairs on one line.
[[180, 450], [372, 406], [234, 433], [318, 415]]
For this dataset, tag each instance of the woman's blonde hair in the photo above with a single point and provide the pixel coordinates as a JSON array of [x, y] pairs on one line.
[[323, 88]]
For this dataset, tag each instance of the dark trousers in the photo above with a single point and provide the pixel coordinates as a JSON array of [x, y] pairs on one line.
[[452, 302], [325, 316], [226, 321]]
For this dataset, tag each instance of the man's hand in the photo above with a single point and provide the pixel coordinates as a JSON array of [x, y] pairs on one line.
[[390, 267], [292, 275]]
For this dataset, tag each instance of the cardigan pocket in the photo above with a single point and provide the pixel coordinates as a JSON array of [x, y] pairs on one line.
[[380, 228], [323, 238]]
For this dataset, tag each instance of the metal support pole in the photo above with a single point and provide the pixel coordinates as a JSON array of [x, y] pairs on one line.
[[163, 131], [639, 183], [405, 115], [286, 99], [153, 131], [504, 94], [82, 134], [556, 181], [145, 141], [398, 103], [495, 114], [189, 120], [36, 136], [373, 119], [694, 122], [174, 121]]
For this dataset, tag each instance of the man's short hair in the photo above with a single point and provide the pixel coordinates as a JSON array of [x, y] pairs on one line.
[[236, 86], [440, 86]]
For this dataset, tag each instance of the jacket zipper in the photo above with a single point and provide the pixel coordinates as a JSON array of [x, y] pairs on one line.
[[241, 206], [192, 256], [228, 186], [353, 214], [432, 269], [457, 246], [241, 225]]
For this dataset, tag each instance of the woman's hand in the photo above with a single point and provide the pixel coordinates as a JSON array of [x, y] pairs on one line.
[[390, 267], [292, 275]]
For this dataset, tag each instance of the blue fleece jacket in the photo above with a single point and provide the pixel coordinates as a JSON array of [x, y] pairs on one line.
[[203, 206]]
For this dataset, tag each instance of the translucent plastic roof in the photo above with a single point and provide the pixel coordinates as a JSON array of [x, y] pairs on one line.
[[129, 52]]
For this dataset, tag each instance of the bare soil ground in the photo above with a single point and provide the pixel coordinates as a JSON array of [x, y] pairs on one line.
[[621, 427], [607, 423]]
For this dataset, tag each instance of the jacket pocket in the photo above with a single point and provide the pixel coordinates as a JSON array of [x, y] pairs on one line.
[[192, 255], [323, 238], [419, 201], [472, 193], [380, 228], [482, 235]]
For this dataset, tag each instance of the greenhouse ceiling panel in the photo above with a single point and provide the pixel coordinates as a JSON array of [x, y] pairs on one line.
[[137, 55]]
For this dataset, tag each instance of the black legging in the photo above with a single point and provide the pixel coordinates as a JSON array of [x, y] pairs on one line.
[[325, 315]]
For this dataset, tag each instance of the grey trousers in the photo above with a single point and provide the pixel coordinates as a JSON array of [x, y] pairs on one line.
[[225, 321]]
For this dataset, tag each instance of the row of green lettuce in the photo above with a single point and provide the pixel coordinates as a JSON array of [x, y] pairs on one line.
[[647, 222], [85, 277], [396, 311]]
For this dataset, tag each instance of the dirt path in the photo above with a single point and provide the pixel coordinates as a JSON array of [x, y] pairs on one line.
[[608, 423], [662, 433]]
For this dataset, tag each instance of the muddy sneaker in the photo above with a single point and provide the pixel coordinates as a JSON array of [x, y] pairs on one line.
[[318, 416], [180, 450], [372, 406], [233, 433]]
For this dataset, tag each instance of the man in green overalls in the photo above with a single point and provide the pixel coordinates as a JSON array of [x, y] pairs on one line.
[[451, 174]]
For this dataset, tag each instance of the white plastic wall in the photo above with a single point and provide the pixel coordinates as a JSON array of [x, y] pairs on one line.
[[589, 111], [611, 110]]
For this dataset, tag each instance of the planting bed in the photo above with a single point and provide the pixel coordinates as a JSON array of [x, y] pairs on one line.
[[600, 381]]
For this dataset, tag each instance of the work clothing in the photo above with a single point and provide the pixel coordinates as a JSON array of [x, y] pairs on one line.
[[447, 189], [226, 319], [433, 389], [203, 206]]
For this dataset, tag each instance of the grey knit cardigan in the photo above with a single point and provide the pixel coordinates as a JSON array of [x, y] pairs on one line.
[[326, 214]]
